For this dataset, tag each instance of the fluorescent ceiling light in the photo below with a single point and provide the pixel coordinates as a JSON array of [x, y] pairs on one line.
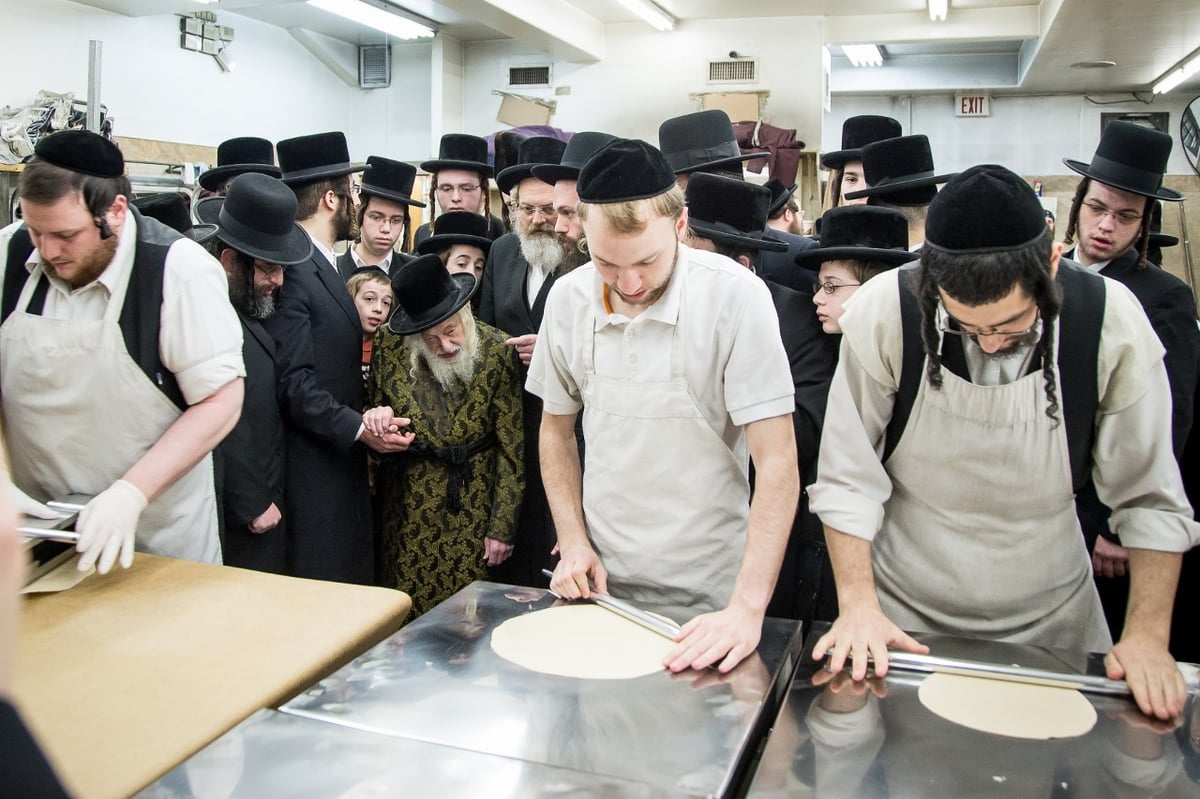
[[938, 9], [651, 13], [1177, 75], [863, 55], [374, 17]]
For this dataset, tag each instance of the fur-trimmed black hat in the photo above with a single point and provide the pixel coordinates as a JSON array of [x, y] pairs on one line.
[[780, 194], [987, 208], [730, 211], [858, 132], [582, 146], [81, 151], [427, 294], [458, 227], [900, 171], [703, 140], [258, 217], [170, 208], [317, 156], [1131, 158], [238, 156], [860, 233], [460, 151], [624, 170], [534, 150], [391, 180]]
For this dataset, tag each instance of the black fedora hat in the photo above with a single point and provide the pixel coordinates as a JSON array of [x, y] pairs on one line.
[[460, 151], [1132, 158], [703, 140], [730, 211], [582, 146], [306, 159], [427, 294], [780, 194], [257, 216], [986, 208], [860, 233], [458, 227], [624, 170], [857, 132], [900, 171], [81, 151], [170, 208], [391, 180], [238, 156], [532, 151]]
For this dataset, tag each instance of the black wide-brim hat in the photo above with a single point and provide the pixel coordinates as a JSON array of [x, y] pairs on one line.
[[307, 159], [170, 208], [257, 216], [582, 146], [391, 180], [533, 151], [987, 208], [1157, 237], [893, 167], [860, 233], [460, 151], [703, 140], [779, 195], [458, 227], [427, 294], [1132, 158], [239, 156], [730, 211], [858, 132]]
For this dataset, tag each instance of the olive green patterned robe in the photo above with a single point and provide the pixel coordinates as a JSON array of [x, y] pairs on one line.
[[428, 550]]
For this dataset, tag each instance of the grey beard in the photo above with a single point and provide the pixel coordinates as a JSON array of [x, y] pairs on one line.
[[449, 373], [542, 251], [262, 307]]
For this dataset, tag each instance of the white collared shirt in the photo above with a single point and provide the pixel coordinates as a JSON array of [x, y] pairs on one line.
[[359, 263]]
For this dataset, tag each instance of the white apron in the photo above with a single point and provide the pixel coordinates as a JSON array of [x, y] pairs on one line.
[[980, 536], [79, 412], [665, 500]]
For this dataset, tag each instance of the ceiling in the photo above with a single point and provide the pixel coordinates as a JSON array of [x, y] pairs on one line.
[[1025, 46]]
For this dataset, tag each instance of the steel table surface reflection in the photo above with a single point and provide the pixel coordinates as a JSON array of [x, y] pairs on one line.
[[875, 740], [437, 680]]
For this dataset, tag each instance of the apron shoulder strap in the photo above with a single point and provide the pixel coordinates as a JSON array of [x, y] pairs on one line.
[[1080, 320], [912, 361], [20, 247], [141, 313]]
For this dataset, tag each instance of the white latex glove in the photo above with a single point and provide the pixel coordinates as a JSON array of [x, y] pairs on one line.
[[106, 526], [23, 503]]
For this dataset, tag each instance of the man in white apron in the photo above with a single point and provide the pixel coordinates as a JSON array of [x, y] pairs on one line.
[[674, 355], [968, 526], [120, 358]]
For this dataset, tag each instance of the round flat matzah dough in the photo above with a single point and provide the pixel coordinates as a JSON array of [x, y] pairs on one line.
[[584, 641], [1018, 710]]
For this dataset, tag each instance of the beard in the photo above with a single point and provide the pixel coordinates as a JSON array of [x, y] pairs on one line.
[[448, 372], [1015, 348], [345, 225], [91, 266], [256, 303], [541, 246]]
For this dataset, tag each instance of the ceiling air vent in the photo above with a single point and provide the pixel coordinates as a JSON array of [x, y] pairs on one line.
[[733, 70], [374, 66], [529, 77]]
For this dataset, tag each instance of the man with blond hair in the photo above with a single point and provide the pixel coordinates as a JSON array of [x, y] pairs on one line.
[[675, 358]]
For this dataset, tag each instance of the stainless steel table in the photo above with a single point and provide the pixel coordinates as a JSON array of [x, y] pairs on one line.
[[881, 742], [433, 702]]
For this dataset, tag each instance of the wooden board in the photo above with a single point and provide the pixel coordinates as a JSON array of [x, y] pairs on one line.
[[152, 151]]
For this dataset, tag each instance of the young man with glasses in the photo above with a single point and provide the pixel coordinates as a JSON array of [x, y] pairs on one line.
[[967, 525], [1111, 221], [384, 199], [459, 182]]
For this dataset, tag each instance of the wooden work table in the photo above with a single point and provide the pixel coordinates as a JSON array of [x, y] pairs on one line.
[[130, 673]]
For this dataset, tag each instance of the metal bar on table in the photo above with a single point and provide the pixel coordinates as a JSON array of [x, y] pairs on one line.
[[907, 661], [66, 536], [663, 627]]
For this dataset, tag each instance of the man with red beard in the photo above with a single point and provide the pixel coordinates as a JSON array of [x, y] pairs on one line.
[[520, 269]]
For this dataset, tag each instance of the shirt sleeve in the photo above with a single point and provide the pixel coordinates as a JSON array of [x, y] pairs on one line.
[[200, 339], [758, 378], [550, 376]]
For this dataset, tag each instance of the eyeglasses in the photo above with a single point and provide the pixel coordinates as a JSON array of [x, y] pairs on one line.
[[268, 270], [945, 320], [529, 210], [461, 188], [1098, 211], [829, 287], [379, 219]]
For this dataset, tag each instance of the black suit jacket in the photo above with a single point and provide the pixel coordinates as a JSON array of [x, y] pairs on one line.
[[772, 264], [318, 358], [502, 295], [346, 265], [24, 770], [252, 462]]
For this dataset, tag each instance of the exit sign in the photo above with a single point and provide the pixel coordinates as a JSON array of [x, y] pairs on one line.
[[972, 105]]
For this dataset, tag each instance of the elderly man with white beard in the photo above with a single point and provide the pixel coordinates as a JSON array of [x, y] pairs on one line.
[[450, 502]]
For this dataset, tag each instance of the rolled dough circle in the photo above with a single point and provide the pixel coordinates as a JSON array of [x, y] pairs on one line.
[[584, 641], [1018, 710]]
